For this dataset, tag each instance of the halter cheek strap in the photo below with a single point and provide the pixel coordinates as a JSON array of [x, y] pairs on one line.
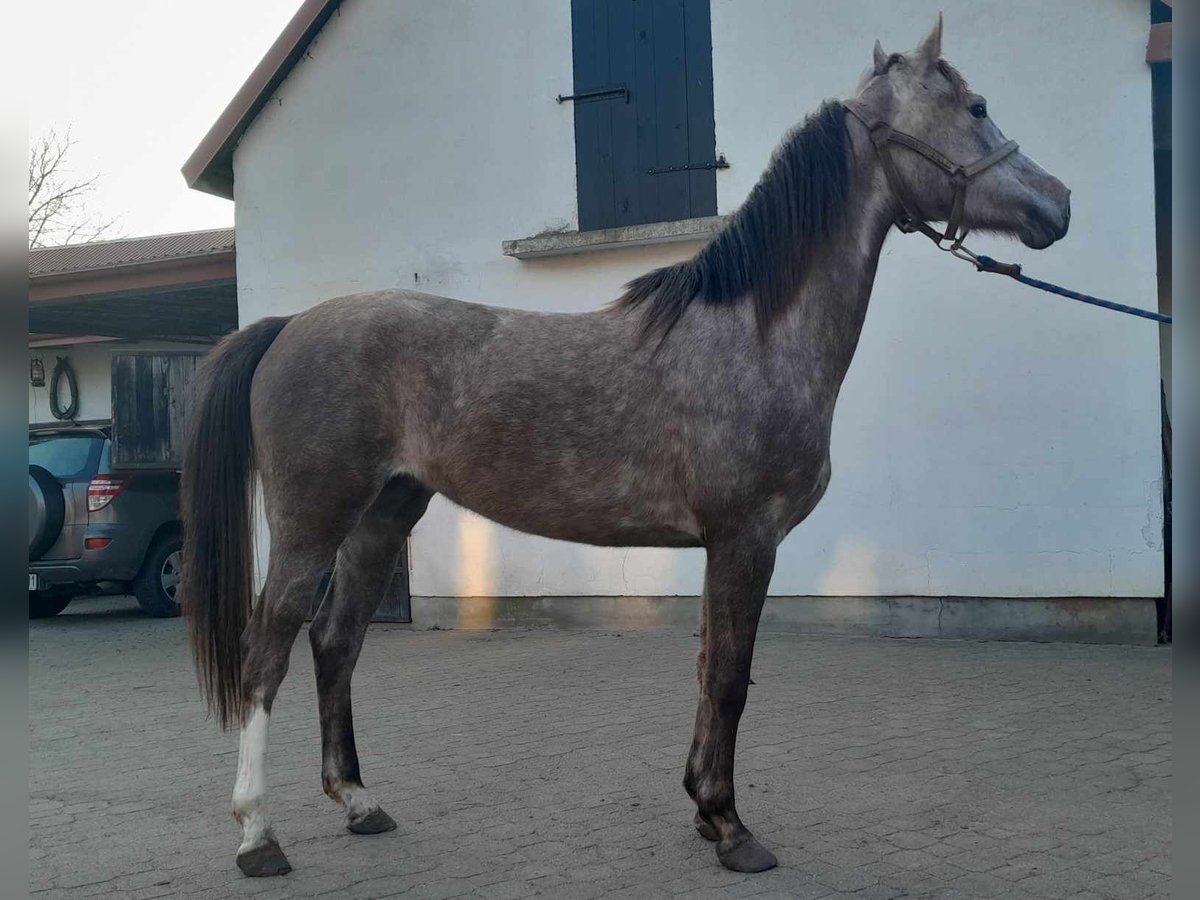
[[883, 136]]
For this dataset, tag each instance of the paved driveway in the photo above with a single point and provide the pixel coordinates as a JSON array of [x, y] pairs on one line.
[[527, 763]]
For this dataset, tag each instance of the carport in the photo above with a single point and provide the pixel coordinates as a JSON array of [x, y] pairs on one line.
[[88, 302], [127, 319], [116, 329], [173, 287]]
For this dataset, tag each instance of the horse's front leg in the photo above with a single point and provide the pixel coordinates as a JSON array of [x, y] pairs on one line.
[[735, 586]]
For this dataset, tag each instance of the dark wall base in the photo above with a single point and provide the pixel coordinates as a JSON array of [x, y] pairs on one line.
[[1106, 620]]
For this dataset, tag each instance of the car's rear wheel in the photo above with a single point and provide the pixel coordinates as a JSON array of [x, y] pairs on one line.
[[47, 509], [157, 585], [44, 605]]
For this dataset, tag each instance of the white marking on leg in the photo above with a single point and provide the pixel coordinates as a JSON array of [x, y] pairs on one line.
[[250, 789], [356, 800]]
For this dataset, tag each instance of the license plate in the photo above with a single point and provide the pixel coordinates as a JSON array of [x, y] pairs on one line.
[[35, 583]]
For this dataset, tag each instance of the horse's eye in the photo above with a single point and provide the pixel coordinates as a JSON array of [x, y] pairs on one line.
[[979, 110]]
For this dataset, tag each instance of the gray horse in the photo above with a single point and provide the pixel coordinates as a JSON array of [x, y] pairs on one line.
[[694, 412]]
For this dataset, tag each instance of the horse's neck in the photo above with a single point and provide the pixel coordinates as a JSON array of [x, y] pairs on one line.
[[815, 341]]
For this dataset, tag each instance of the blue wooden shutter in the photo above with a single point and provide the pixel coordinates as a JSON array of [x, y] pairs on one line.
[[643, 107]]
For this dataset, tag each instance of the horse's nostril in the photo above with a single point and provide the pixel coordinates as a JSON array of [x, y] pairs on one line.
[[1046, 223]]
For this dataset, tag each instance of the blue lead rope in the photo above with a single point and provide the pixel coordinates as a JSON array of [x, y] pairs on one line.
[[1012, 270]]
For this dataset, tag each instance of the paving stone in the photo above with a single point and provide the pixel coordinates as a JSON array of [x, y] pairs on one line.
[[548, 763]]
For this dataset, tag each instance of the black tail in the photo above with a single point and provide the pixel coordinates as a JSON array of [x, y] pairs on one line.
[[215, 498]]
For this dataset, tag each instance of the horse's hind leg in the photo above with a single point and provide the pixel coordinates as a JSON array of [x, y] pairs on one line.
[[293, 576], [735, 586], [365, 563], [306, 532]]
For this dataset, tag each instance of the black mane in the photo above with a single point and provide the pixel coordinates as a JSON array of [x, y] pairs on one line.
[[764, 249]]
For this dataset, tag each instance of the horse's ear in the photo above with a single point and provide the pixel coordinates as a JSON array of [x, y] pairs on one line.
[[880, 58], [930, 48]]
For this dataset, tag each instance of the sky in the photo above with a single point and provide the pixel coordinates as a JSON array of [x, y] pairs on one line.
[[139, 82]]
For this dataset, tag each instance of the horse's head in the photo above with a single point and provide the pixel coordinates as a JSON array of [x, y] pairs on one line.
[[919, 94]]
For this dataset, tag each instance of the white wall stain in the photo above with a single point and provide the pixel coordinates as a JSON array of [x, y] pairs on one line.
[[852, 570]]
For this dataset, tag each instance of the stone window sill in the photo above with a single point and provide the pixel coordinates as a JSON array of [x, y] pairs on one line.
[[562, 243]]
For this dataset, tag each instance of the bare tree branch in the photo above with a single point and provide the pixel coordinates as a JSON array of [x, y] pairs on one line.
[[58, 211]]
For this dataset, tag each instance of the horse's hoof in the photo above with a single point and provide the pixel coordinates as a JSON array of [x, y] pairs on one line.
[[263, 860], [745, 854], [704, 828], [374, 822]]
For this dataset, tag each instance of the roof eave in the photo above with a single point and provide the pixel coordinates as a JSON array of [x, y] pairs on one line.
[[215, 178], [197, 268], [210, 167]]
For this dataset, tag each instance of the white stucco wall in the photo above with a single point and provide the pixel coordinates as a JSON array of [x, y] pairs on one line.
[[990, 441], [93, 372]]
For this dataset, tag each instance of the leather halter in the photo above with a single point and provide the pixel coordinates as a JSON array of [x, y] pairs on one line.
[[883, 136]]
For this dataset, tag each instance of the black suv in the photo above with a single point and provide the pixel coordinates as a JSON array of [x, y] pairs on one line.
[[95, 531]]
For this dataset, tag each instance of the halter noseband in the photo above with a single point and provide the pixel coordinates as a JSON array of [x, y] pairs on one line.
[[883, 136]]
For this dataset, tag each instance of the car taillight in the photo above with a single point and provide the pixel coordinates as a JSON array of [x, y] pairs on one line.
[[102, 490]]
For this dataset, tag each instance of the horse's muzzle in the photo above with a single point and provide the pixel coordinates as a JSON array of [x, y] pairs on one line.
[[1046, 223]]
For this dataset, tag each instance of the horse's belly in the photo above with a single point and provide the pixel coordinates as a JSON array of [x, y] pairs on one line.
[[579, 512], [610, 534]]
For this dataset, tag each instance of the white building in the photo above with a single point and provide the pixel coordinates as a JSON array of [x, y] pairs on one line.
[[991, 441]]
